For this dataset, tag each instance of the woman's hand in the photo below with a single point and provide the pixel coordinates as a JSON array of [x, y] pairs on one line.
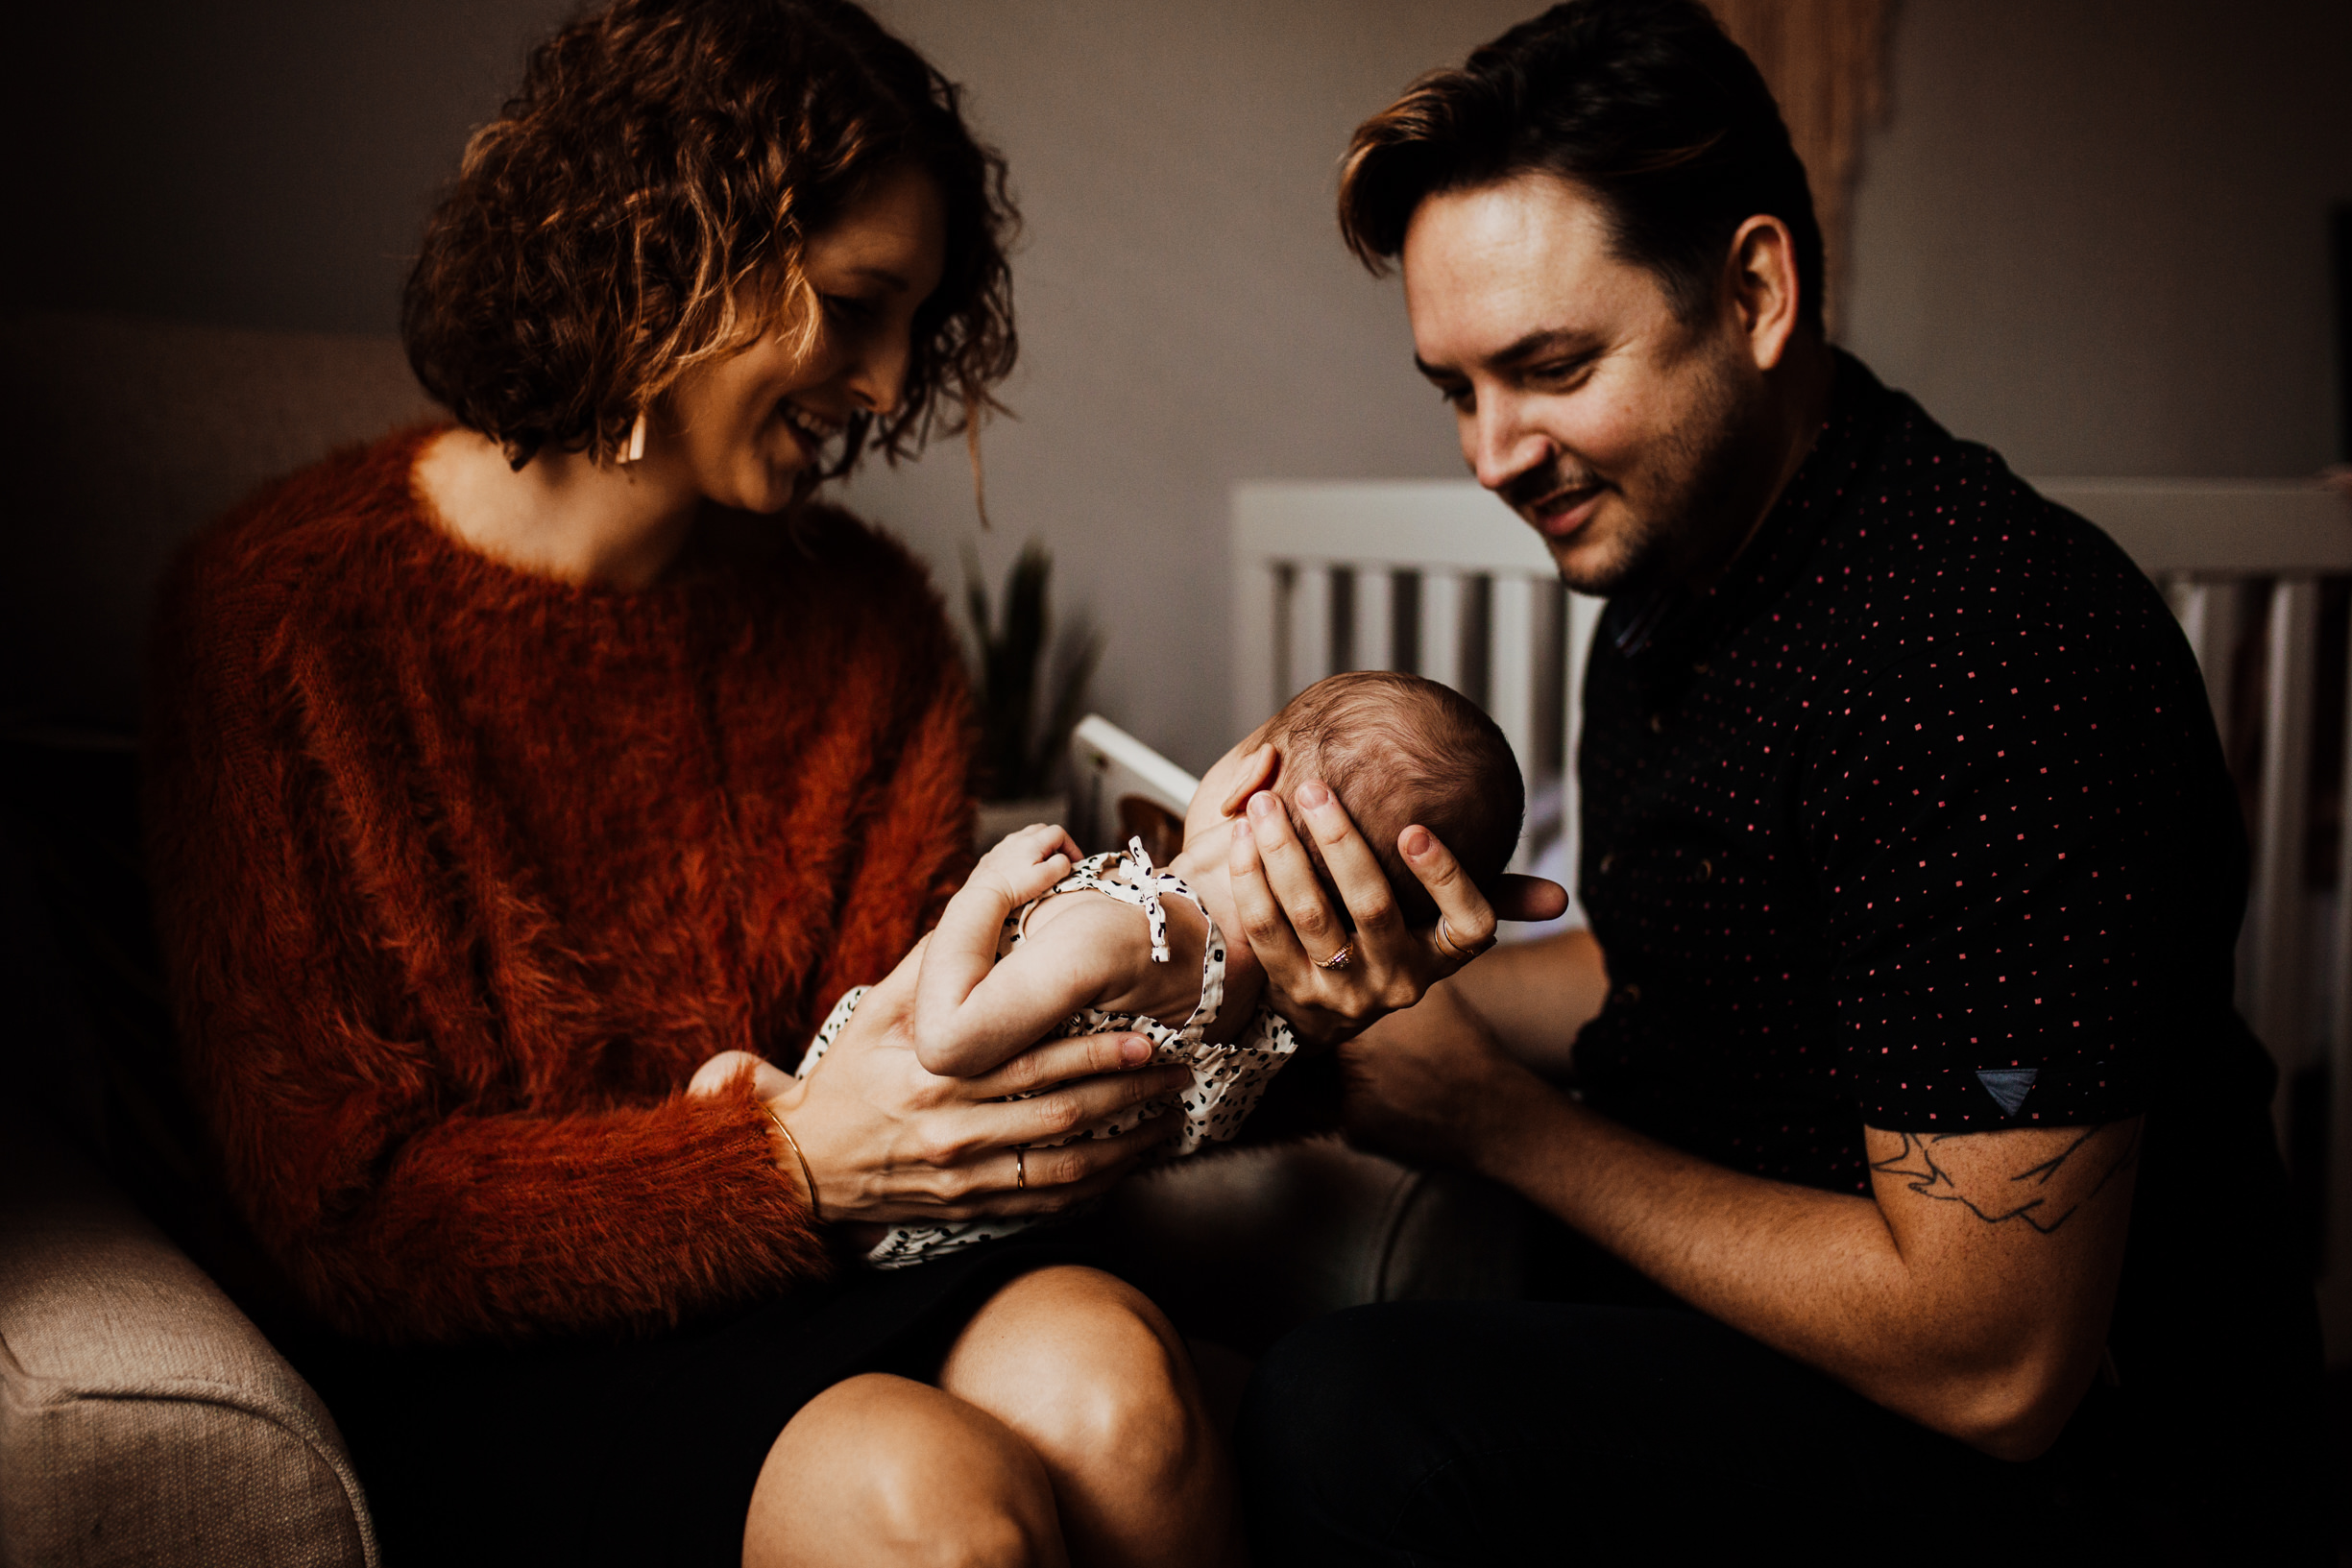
[[1295, 933], [887, 1142]]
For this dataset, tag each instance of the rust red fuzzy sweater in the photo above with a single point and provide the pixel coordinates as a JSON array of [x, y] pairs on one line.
[[461, 871]]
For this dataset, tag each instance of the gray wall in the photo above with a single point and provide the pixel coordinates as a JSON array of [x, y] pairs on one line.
[[1189, 317], [2091, 235]]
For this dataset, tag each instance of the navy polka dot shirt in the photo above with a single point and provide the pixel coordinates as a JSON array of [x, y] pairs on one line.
[[1917, 820]]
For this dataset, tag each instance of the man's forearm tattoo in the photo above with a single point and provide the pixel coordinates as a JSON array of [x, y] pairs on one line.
[[1979, 1170]]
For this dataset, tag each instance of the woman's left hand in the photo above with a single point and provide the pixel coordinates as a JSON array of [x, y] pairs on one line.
[[1387, 965]]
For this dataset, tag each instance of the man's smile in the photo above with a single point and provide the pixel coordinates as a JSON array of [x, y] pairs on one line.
[[1556, 500], [1565, 512]]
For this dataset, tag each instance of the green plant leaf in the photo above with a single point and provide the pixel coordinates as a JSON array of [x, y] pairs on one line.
[[1010, 652], [1069, 704]]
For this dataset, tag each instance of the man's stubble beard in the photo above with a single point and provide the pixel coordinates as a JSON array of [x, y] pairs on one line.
[[1699, 508]]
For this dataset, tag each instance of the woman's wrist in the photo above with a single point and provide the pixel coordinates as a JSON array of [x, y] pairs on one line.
[[791, 1159]]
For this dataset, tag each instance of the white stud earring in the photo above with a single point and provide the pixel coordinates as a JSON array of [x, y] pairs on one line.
[[636, 440]]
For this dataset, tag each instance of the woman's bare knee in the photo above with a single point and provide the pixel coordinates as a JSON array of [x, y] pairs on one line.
[[1080, 1362], [1086, 1369], [883, 1470]]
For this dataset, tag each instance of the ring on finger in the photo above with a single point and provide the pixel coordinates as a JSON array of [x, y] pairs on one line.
[[1340, 959], [1020, 1170], [1450, 947]]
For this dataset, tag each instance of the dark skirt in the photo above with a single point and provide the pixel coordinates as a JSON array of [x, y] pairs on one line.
[[639, 1452]]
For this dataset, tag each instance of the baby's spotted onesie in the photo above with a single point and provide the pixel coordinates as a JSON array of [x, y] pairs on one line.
[[1227, 1078]]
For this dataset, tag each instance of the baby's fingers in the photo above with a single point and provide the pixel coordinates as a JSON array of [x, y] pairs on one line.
[[1033, 880], [1027, 845], [1026, 863]]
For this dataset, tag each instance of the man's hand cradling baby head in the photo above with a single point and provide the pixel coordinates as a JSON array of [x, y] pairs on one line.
[[1401, 751]]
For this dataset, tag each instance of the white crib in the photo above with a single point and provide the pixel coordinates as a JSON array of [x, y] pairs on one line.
[[1439, 578]]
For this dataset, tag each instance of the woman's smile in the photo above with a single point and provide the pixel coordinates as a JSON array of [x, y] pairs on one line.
[[813, 433]]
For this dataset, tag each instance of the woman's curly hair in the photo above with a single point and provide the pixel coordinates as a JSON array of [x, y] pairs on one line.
[[643, 202]]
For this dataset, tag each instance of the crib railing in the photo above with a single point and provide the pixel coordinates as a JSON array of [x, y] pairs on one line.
[[1439, 578], [1435, 577]]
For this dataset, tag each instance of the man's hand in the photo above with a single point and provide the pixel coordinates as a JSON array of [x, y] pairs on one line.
[[1297, 935], [1430, 1085]]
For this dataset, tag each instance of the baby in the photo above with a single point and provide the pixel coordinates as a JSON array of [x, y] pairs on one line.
[[1040, 941]]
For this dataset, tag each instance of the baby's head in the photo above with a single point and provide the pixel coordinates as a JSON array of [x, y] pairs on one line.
[[1397, 749]]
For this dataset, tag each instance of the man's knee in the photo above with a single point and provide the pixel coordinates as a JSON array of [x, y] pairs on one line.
[[1314, 1397]]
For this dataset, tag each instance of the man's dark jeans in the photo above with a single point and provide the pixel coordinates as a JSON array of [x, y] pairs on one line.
[[1518, 1432]]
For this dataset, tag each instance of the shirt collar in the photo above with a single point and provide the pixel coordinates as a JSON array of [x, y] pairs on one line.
[[1653, 625]]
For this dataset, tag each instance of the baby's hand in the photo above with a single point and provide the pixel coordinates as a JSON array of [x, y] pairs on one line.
[[1026, 863], [962, 948], [767, 1080]]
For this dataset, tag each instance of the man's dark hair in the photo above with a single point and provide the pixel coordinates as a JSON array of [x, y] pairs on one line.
[[1646, 104]]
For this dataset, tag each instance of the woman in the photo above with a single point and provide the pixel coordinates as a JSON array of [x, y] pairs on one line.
[[504, 772]]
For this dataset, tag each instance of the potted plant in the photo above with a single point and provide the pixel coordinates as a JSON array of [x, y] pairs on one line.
[[1023, 739]]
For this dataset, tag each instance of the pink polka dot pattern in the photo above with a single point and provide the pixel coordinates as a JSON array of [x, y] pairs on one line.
[[1926, 787]]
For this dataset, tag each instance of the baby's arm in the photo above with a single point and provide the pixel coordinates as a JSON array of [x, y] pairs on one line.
[[962, 951]]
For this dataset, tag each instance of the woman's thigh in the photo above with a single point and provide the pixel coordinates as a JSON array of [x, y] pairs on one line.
[[881, 1469]]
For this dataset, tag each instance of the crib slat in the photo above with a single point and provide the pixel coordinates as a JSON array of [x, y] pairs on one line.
[[1308, 658], [1375, 617], [1584, 623], [2210, 618], [1257, 665], [1510, 672], [2275, 1004], [1442, 627]]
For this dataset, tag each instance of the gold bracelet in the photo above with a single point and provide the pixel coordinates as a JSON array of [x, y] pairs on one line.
[[806, 1174]]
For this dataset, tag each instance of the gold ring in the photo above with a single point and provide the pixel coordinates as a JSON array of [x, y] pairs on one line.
[[1339, 959], [1020, 1170], [1446, 944]]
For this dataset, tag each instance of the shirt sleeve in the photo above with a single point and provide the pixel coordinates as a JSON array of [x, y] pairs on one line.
[[2024, 884]]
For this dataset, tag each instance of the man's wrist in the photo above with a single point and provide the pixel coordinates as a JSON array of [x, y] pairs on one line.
[[1520, 1129]]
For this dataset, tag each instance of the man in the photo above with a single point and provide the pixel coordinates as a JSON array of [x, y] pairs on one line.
[[1916, 871]]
